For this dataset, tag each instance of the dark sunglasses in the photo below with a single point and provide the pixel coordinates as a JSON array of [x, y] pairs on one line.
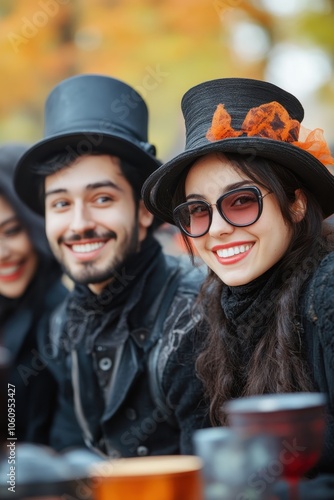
[[240, 207]]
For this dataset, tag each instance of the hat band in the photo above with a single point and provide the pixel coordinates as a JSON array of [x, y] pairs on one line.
[[101, 128], [271, 121]]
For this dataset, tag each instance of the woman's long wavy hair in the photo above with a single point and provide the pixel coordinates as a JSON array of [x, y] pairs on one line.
[[278, 361]]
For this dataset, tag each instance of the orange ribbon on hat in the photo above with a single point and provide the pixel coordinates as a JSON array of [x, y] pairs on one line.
[[271, 121]]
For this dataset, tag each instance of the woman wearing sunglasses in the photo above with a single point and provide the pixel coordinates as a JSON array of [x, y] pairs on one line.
[[30, 288], [249, 194]]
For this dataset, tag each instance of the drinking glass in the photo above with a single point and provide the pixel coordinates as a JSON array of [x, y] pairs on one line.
[[232, 465], [296, 420]]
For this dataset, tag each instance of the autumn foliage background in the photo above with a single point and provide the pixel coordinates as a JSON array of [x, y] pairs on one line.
[[162, 48]]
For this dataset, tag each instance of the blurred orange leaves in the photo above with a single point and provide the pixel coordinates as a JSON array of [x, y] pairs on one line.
[[45, 41]]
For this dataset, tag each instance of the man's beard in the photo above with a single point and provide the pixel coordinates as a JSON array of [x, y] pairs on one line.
[[90, 275]]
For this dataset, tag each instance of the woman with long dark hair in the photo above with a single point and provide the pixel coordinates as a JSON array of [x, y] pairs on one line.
[[30, 289], [250, 194]]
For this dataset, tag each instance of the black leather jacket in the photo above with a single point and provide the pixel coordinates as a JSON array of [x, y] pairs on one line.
[[318, 325], [106, 398]]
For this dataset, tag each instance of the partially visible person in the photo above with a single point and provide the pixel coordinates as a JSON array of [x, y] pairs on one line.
[[251, 192], [125, 339], [30, 289]]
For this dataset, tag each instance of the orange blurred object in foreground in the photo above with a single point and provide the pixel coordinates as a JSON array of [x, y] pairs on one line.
[[149, 478]]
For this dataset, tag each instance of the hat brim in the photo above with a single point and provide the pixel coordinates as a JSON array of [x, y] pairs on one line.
[[159, 188], [27, 182]]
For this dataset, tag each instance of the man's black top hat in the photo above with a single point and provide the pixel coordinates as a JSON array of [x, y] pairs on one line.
[[84, 114], [238, 96]]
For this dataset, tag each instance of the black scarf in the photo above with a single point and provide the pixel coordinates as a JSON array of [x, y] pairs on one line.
[[90, 316], [249, 307]]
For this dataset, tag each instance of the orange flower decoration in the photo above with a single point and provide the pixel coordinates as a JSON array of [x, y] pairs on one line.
[[271, 121], [314, 142], [221, 125]]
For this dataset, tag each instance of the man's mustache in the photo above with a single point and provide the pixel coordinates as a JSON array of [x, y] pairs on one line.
[[88, 235]]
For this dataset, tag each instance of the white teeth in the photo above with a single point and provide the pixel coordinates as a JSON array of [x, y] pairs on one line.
[[229, 252], [6, 271], [87, 247]]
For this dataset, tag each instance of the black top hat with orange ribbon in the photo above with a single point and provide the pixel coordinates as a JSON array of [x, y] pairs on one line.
[[252, 118], [87, 113]]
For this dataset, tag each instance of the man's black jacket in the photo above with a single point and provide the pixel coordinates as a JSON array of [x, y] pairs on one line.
[[106, 399]]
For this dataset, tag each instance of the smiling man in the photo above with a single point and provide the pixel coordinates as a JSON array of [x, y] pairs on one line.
[[91, 219], [122, 346]]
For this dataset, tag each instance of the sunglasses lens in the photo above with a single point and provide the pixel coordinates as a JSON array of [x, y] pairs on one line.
[[241, 208], [193, 217]]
